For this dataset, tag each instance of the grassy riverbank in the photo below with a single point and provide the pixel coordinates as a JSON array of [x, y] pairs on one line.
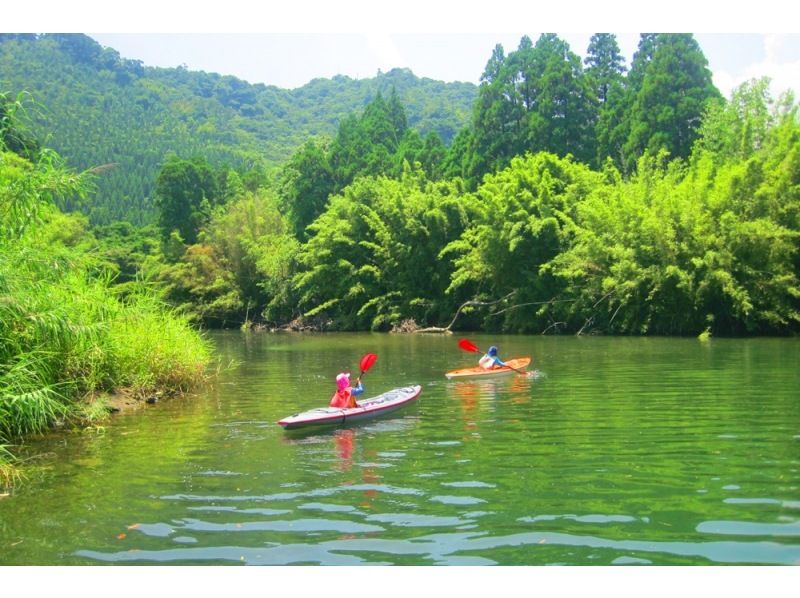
[[67, 339]]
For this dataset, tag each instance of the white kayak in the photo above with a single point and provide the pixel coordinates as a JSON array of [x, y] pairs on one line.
[[372, 407]]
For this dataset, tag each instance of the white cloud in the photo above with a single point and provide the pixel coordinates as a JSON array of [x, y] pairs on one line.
[[781, 64], [384, 51]]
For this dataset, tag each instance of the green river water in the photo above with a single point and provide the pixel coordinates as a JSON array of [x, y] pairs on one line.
[[622, 451]]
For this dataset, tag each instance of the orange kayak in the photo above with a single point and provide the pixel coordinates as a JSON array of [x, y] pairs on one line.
[[518, 363]]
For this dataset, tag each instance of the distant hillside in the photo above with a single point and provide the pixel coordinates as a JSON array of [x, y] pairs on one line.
[[99, 108]]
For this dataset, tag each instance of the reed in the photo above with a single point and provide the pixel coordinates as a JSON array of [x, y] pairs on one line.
[[66, 334]]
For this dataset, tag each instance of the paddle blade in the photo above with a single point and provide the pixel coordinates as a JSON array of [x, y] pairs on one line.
[[468, 346], [367, 361]]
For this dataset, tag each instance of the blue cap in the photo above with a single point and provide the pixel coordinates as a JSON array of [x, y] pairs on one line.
[[492, 350]]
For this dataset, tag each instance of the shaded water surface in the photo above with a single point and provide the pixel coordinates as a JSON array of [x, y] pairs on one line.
[[621, 451]]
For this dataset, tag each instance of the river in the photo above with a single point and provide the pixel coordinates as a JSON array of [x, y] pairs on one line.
[[621, 451]]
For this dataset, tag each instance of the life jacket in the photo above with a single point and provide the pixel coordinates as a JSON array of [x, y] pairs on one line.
[[341, 398]]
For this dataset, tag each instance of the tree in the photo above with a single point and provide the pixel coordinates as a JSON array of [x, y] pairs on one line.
[[361, 267], [536, 99], [429, 153], [605, 66], [614, 125], [736, 129], [497, 116], [32, 179], [366, 144], [15, 135], [186, 190], [306, 181], [456, 162], [397, 114], [494, 66], [563, 117], [675, 91]]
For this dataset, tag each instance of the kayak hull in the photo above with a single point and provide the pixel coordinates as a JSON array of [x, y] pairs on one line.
[[520, 363], [367, 408]]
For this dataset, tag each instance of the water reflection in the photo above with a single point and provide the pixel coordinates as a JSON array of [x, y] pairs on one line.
[[345, 443], [478, 398]]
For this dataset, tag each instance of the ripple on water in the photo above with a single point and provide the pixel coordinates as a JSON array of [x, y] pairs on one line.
[[629, 560], [184, 540], [752, 501], [750, 528], [469, 484], [416, 520], [457, 500], [380, 488], [158, 530], [222, 509], [594, 518], [290, 525], [327, 507]]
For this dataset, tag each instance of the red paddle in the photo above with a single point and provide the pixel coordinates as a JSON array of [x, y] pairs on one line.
[[468, 346], [367, 362]]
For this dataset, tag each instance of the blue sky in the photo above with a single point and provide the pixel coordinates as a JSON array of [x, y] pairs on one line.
[[291, 43], [292, 59]]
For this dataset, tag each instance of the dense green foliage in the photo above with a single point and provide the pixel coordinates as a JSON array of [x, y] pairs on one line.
[[541, 98], [372, 259], [369, 235], [524, 221], [239, 268], [378, 142], [710, 242], [102, 109], [186, 192]]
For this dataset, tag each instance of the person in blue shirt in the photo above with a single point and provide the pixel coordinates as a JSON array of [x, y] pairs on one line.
[[491, 360]]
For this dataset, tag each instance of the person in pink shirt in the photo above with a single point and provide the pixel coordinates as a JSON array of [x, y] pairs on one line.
[[345, 395]]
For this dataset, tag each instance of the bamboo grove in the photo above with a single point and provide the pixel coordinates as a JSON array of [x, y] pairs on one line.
[[686, 221]]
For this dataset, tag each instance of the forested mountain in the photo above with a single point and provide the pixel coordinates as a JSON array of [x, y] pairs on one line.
[[98, 108]]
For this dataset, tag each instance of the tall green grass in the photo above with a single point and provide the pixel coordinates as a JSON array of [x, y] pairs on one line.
[[66, 333]]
